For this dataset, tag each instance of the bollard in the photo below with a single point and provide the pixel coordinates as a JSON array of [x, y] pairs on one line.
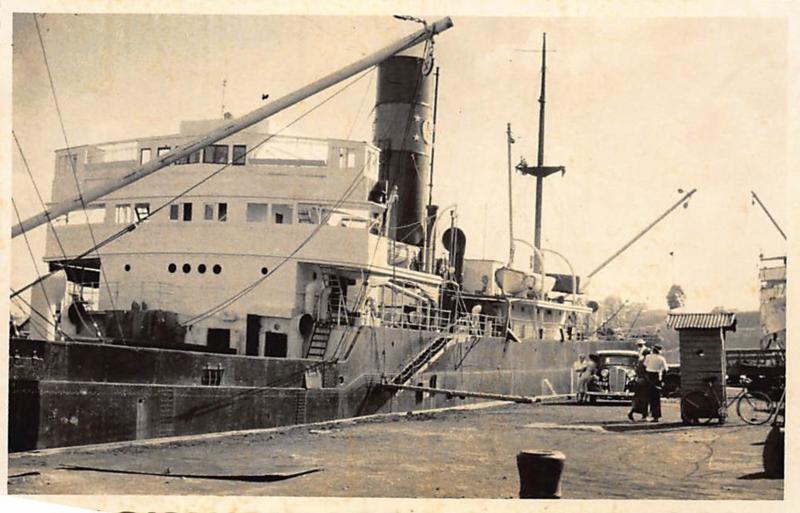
[[772, 455], [540, 474]]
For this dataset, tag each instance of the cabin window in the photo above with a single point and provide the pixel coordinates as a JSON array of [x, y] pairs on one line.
[[282, 214], [142, 211], [174, 212], [145, 154], [222, 211], [215, 154], [347, 158], [187, 211], [239, 154], [194, 158], [123, 214], [162, 150], [256, 212]]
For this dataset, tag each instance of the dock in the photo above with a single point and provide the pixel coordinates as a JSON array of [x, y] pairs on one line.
[[440, 454]]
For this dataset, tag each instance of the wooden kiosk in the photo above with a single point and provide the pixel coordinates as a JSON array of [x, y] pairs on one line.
[[702, 353]]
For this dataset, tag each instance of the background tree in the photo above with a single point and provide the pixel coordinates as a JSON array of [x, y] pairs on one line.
[[676, 297]]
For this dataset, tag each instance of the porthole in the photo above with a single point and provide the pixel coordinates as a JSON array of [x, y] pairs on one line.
[[172, 268], [217, 268], [264, 270], [201, 268], [127, 268], [187, 268]]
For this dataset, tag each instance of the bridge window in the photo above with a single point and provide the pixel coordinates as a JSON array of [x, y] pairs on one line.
[[123, 214], [162, 150], [142, 211], [239, 154], [222, 212], [174, 212], [215, 154], [308, 214], [187, 211], [282, 214], [208, 212], [256, 212]]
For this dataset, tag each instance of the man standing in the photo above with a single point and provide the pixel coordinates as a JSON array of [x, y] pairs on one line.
[[580, 368], [642, 345], [655, 365]]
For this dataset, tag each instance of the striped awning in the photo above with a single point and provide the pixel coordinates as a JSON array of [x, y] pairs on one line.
[[681, 321]]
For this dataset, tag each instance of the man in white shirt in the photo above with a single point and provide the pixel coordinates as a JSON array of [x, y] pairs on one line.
[[655, 365]]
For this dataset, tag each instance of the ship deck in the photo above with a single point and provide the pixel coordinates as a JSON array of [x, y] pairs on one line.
[[442, 454]]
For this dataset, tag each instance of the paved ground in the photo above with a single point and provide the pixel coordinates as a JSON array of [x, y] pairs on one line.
[[444, 454]]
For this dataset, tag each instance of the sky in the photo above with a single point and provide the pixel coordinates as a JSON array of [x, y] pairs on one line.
[[637, 108]]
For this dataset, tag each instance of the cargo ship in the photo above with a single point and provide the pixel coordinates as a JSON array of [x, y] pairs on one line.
[[225, 278]]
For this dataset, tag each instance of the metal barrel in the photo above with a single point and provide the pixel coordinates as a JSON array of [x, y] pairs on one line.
[[404, 133], [540, 474]]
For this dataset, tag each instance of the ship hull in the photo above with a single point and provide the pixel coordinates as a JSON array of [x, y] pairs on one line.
[[66, 394]]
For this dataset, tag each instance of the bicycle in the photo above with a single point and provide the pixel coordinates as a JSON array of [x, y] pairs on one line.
[[700, 406]]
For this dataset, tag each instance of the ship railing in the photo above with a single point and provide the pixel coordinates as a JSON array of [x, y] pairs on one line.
[[422, 318], [480, 324]]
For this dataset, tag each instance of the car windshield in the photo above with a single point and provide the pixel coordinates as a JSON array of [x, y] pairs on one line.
[[619, 360]]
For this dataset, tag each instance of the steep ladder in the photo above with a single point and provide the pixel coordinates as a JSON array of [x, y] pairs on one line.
[[319, 341], [336, 296], [300, 414]]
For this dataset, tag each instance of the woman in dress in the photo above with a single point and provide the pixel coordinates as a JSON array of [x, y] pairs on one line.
[[641, 398]]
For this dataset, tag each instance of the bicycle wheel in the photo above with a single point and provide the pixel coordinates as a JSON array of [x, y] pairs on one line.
[[754, 408], [698, 408]]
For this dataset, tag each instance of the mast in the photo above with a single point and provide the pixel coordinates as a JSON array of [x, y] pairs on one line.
[[433, 135], [431, 210], [510, 141], [540, 171], [235, 125]]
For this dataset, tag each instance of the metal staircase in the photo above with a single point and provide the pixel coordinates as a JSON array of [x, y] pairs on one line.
[[426, 357]]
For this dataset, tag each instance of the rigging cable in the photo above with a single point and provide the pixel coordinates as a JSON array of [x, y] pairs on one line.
[[72, 163], [38, 193], [30, 252], [39, 278], [44, 317], [361, 106]]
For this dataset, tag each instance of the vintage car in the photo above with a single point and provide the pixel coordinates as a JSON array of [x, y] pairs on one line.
[[614, 376]]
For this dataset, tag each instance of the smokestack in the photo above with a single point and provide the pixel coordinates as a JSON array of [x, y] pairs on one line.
[[403, 132]]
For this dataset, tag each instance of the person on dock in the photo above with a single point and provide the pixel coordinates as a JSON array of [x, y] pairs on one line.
[[641, 398], [584, 369], [655, 366]]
